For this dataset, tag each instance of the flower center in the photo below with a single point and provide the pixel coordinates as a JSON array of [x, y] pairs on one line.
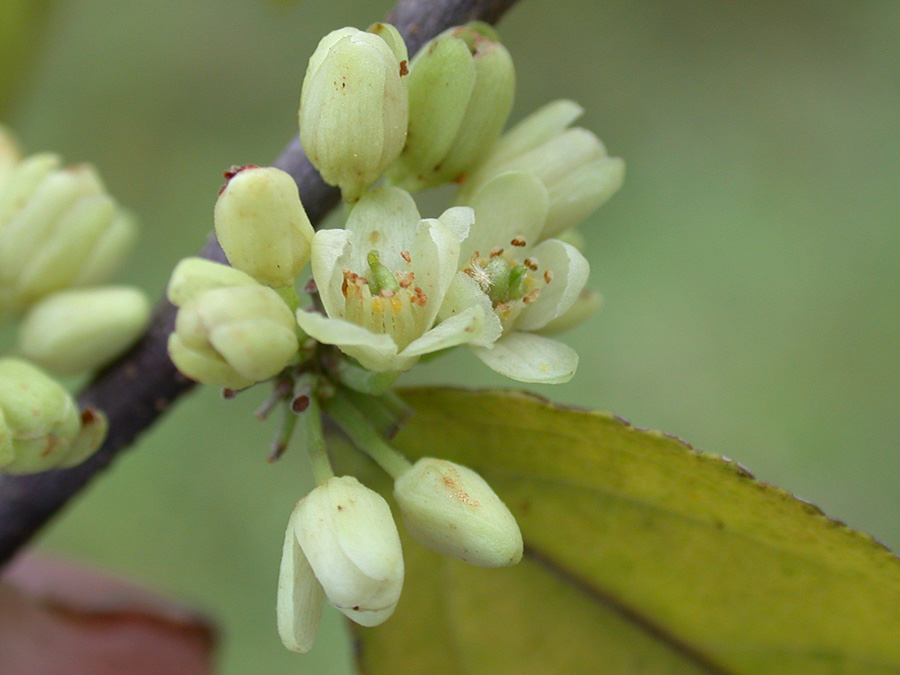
[[386, 301], [509, 280]]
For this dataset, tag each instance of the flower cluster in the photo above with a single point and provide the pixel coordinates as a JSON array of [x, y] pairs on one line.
[[60, 235], [498, 271]]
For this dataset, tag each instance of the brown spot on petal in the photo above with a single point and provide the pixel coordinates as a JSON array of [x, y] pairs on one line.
[[403, 69], [234, 171]]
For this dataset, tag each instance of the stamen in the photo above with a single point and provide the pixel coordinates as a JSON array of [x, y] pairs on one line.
[[406, 256], [531, 264], [496, 251], [548, 276], [532, 296], [518, 241]]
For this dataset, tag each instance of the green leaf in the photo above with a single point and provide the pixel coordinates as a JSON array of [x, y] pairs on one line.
[[642, 556]]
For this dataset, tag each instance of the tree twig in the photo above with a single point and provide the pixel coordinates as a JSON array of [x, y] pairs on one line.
[[136, 390]]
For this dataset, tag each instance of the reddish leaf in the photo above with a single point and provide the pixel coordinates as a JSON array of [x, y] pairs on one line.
[[61, 619]]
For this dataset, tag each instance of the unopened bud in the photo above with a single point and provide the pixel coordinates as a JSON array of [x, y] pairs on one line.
[[571, 163], [82, 329], [262, 227], [233, 336], [40, 427], [353, 108], [192, 276], [452, 510], [461, 88], [58, 228], [346, 533]]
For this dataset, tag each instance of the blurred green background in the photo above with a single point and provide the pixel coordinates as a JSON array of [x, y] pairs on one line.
[[750, 266]]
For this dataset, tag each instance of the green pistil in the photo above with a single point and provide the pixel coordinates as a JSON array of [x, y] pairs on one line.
[[507, 282], [381, 278]]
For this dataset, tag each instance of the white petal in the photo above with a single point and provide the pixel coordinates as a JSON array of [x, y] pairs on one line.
[[457, 330], [458, 219], [579, 194], [559, 156], [465, 293], [435, 256], [509, 205], [537, 128], [374, 351], [588, 303], [328, 270], [300, 596], [530, 358], [570, 273], [383, 220]]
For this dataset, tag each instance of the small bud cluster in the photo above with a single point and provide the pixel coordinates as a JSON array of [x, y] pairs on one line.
[[60, 235], [497, 271]]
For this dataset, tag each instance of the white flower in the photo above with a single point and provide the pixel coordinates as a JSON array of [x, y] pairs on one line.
[[527, 284], [341, 543], [382, 281]]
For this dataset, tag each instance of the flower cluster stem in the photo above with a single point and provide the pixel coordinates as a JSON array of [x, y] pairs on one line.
[[365, 437]]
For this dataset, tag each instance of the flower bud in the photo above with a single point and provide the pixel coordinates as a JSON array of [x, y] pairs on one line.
[[353, 108], [261, 225], [58, 228], [452, 510], [461, 87], [571, 163], [82, 329], [345, 534], [233, 336], [192, 276], [40, 427]]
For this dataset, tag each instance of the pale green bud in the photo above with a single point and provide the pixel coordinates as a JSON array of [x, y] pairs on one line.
[[452, 510], [571, 163], [261, 225], [233, 336], [40, 427], [461, 87], [193, 276], [353, 108], [58, 228], [82, 329], [345, 534]]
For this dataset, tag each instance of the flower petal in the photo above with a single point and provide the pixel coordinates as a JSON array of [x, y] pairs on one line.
[[577, 195], [330, 254], [570, 273], [465, 293], [513, 204], [374, 351], [300, 596], [530, 358], [458, 329], [382, 220]]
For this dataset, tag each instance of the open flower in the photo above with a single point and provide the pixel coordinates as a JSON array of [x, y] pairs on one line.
[[527, 283], [341, 543], [383, 279]]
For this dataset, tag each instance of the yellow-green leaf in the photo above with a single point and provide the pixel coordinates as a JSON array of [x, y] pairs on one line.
[[642, 556]]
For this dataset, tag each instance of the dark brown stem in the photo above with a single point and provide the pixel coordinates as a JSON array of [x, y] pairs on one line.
[[136, 390]]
